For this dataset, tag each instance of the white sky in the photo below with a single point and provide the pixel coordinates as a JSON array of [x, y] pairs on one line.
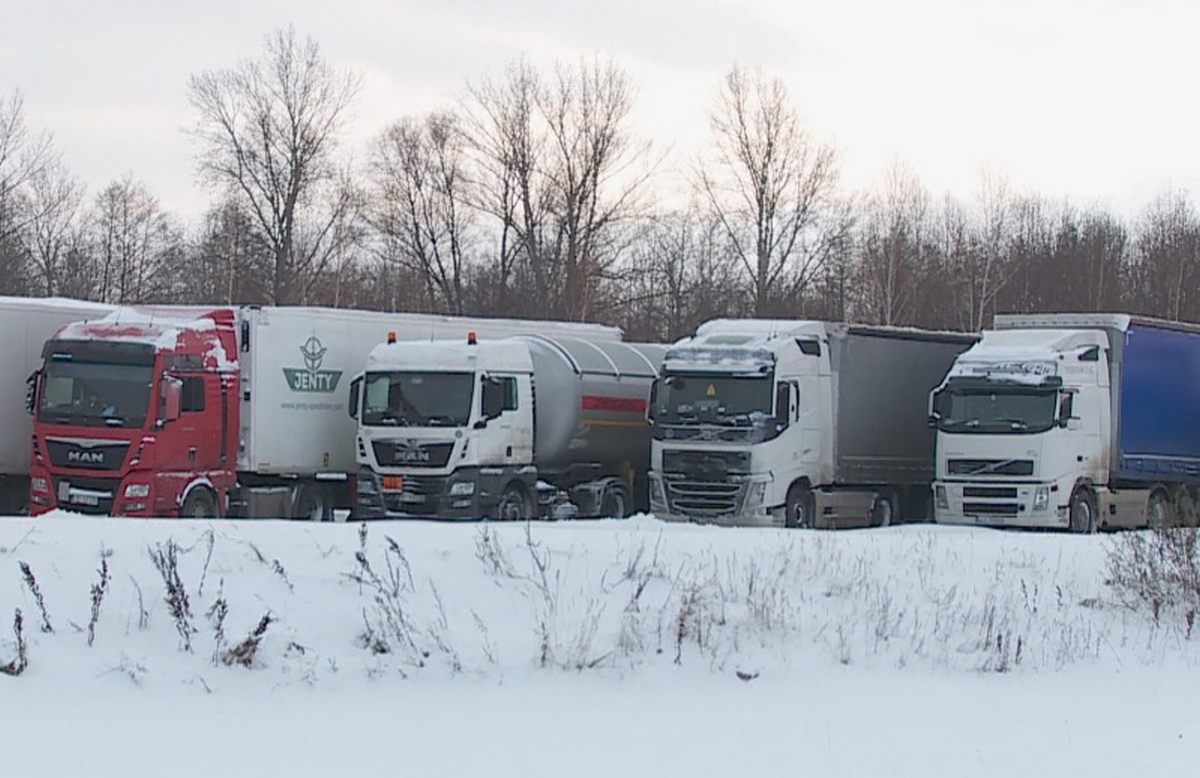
[[1091, 99]]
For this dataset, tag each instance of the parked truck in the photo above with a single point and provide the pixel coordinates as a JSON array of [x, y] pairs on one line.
[[1070, 421], [797, 423], [25, 324], [205, 412], [541, 425]]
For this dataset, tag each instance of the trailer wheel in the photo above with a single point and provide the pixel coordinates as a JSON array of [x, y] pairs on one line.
[[1159, 511], [615, 503], [514, 503], [800, 508], [1084, 516], [314, 502], [883, 511], [200, 503]]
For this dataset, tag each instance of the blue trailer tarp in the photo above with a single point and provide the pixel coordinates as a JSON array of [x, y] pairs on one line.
[[1159, 427]]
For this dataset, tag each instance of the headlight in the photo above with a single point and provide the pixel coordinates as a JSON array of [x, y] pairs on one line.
[[39, 485], [137, 491], [943, 501], [462, 489], [1041, 498]]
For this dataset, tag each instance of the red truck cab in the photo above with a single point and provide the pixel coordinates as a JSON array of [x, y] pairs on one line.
[[137, 414]]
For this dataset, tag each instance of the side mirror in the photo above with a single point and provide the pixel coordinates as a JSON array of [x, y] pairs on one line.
[[1066, 409], [492, 404], [31, 387], [653, 400], [355, 397], [172, 395], [937, 407]]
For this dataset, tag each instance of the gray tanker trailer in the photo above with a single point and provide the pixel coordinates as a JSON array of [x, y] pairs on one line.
[[528, 426]]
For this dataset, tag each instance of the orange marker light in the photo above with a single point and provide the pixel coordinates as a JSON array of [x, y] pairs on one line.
[[471, 339], [391, 337]]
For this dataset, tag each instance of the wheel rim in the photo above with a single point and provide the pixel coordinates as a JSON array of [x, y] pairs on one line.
[[1083, 515], [800, 512]]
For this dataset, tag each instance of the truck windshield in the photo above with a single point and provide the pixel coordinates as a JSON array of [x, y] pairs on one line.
[[683, 399], [1010, 410], [407, 399], [94, 394]]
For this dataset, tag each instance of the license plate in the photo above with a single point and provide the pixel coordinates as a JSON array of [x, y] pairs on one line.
[[86, 499], [393, 483]]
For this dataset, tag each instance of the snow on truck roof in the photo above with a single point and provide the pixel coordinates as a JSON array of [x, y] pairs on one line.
[[1117, 321], [157, 327]]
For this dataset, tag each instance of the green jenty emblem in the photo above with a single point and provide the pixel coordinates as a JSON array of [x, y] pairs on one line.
[[311, 378]]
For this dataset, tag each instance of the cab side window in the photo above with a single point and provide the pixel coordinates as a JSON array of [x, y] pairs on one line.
[[192, 396], [510, 393]]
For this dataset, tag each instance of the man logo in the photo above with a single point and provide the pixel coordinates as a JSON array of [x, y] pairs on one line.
[[711, 391], [85, 457], [311, 378]]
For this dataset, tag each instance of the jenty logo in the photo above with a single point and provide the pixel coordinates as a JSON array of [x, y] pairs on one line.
[[86, 457], [312, 378]]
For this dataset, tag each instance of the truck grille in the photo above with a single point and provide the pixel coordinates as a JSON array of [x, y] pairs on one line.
[[991, 508], [991, 492], [408, 453], [703, 498], [87, 454], [986, 467]]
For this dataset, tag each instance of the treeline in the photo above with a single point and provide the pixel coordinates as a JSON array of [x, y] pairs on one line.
[[533, 197]]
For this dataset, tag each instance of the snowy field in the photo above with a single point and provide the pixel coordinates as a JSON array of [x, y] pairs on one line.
[[581, 649]]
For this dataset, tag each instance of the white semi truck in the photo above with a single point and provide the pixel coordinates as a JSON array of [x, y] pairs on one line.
[[25, 324], [541, 425], [797, 423], [1069, 421]]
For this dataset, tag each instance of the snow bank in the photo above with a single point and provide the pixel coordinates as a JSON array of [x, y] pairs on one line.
[[584, 648]]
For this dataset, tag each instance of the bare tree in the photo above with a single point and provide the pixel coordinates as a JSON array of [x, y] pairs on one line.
[[268, 130], [508, 146], [53, 231], [771, 185], [1167, 256], [23, 155], [418, 177], [134, 241], [556, 165], [893, 241]]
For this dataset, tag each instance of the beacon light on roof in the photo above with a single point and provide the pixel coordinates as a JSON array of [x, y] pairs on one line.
[[471, 338], [391, 337]]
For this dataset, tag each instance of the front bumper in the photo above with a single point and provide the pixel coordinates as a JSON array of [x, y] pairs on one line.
[[1004, 504], [419, 496]]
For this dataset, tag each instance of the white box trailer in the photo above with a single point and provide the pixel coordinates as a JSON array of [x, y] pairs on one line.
[[25, 324]]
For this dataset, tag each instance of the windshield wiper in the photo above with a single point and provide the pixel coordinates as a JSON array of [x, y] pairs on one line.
[[440, 420], [1016, 424]]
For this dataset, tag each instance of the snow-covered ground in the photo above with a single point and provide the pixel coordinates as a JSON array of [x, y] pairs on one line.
[[589, 648]]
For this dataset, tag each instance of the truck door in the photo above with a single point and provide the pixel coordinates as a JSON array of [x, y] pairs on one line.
[[199, 422]]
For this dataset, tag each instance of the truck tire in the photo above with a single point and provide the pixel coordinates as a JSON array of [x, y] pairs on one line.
[[200, 503], [514, 503], [799, 508], [314, 502], [1159, 510], [883, 511], [1084, 517], [615, 502]]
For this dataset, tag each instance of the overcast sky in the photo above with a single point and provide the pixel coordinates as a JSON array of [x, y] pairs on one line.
[[1095, 99]]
